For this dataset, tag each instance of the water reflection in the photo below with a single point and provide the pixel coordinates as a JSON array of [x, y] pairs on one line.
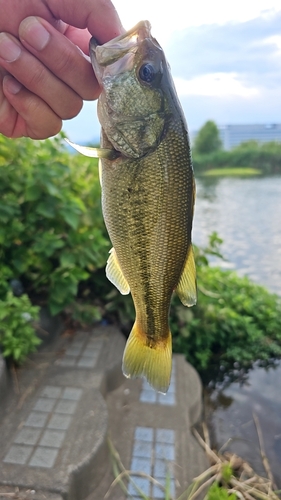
[[246, 214], [232, 418]]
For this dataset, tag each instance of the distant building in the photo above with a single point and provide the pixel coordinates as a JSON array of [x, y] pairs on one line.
[[233, 135]]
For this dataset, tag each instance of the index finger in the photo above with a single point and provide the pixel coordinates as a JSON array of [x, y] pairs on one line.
[[99, 16]]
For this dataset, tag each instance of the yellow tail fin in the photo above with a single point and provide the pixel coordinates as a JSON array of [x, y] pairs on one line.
[[153, 363]]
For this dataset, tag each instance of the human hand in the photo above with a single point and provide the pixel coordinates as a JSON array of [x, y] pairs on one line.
[[44, 72]]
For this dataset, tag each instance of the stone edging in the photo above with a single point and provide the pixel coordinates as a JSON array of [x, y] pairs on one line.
[[3, 378]]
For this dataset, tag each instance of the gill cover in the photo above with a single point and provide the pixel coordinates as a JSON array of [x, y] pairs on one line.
[[131, 105]]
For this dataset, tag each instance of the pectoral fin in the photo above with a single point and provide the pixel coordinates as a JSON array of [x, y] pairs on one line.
[[186, 288], [115, 274], [109, 154], [100, 172]]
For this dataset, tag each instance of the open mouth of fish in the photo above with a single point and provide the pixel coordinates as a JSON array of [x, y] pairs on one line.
[[118, 55]]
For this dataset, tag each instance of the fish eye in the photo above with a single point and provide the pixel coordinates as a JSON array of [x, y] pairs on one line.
[[147, 73]]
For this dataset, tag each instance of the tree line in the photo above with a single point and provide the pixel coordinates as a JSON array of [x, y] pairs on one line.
[[208, 152]]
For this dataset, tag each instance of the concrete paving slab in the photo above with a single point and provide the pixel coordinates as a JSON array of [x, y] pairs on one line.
[[53, 434], [153, 436], [71, 396], [15, 493], [54, 447]]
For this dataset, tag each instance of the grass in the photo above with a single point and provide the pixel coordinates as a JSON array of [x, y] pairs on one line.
[[228, 477], [231, 171]]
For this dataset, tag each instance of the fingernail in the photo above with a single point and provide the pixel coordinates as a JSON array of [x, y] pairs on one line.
[[34, 33], [11, 84], [9, 50]]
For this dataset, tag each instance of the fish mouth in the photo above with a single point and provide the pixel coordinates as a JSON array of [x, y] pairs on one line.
[[118, 55]]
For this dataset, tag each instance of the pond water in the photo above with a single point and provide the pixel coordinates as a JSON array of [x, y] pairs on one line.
[[246, 214]]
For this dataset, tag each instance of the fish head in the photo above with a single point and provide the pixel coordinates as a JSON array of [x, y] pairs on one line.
[[133, 74]]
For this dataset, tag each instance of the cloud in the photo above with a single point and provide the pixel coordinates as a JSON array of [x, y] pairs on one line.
[[231, 109], [249, 50], [214, 84]]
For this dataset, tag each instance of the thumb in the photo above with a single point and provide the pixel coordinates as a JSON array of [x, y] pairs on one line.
[[98, 16]]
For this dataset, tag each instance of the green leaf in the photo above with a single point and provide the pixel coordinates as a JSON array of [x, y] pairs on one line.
[[67, 259], [18, 336], [55, 308], [32, 193], [52, 189], [46, 209], [17, 353], [71, 218]]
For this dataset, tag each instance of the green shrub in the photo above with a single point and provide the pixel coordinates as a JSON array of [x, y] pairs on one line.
[[235, 322], [265, 157], [52, 234], [217, 492], [53, 239], [17, 333]]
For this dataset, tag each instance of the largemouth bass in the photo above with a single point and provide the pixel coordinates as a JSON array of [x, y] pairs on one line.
[[147, 193]]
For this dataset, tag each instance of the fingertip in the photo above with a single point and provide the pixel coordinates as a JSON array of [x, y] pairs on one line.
[[34, 33], [41, 121], [77, 105], [27, 115], [40, 135], [41, 131], [11, 85], [100, 17]]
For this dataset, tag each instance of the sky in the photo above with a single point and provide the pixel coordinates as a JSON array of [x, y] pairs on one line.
[[225, 59]]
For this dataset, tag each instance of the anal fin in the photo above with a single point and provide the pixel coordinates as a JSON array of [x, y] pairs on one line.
[[186, 288], [115, 274]]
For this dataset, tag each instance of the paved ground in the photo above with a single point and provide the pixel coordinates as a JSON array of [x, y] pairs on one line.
[[57, 414]]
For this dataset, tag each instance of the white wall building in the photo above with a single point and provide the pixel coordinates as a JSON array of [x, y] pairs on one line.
[[232, 135]]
